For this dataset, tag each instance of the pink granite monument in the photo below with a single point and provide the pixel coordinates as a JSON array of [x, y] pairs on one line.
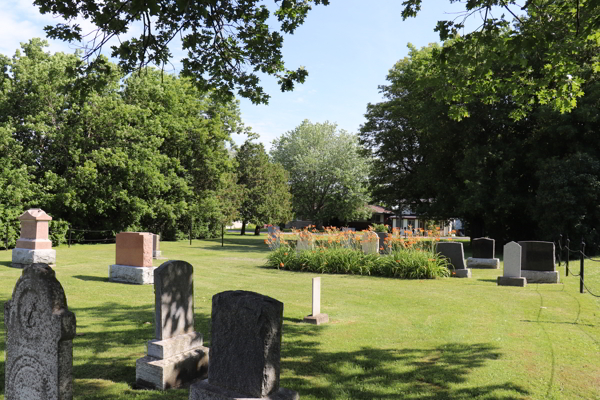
[[33, 246], [133, 259]]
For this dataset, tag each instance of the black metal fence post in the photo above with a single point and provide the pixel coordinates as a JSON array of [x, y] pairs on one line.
[[191, 227], [581, 266], [6, 239], [70, 237], [568, 254]]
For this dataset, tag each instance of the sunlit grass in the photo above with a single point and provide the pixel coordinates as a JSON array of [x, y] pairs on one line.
[[387, 338]]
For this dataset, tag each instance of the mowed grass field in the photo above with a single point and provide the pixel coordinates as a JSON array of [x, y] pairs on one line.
[[387, 339]]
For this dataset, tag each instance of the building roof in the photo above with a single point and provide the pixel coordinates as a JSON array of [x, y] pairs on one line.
[[379, 210]]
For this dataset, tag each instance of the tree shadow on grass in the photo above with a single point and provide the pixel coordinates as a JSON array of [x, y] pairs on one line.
[[115, 338], [375, 373]]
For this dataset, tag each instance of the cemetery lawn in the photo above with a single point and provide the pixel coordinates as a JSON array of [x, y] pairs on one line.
[[387, 338]]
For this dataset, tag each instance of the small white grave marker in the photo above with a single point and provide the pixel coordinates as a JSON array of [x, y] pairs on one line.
[[316, 317], [512, 266]]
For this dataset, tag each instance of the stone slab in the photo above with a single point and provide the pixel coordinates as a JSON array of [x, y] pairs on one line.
[[454, 252], [204, 391], [483, 248], [483, 263], [370, 243], [26, 256], [540, 276], [317, 319], [39, 333], [462, 273], [537, 256], [246, 343], [134, 248], [174, 299], [510, 281], [131, 274], [173, 372], [512, 260], [176, 345], [316, 296]]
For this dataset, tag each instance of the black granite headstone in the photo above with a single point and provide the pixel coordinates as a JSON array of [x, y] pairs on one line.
[[537, 256], [483, 248], [454, 252]]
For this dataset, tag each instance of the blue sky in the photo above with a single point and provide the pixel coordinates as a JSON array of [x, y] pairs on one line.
[[347, 47]]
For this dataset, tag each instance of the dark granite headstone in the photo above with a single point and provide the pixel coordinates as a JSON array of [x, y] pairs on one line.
[[246, 343], [537, 256], [174, 297], [39, 333], [454, 252], [483, 248]]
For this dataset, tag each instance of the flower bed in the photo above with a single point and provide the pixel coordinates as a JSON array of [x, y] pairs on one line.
[[338, 252]]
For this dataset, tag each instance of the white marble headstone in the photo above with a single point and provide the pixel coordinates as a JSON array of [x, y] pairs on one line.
[[316, 296], [512, 260]]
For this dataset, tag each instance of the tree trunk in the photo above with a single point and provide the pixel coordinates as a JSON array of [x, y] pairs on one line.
[[257, 230], [243, 228]]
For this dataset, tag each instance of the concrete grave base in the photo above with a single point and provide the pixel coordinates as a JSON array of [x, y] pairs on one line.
[[317, 319], [172, 372], [512, 281], [540, 276], [462, 273], [488, 263], [204, 391], [24, 257], [131, 274]]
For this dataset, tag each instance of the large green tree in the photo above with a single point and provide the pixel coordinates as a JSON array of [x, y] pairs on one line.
[[505, 178], [544, 48], [328, 174], [267, 199], [115, 153], [226, 42]]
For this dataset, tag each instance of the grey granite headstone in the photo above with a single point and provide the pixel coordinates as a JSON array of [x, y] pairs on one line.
[[246, 349], [177, 356], [39, 333], [512, 266], [483, 248], [538, 264], [455, 254], [174, 299]]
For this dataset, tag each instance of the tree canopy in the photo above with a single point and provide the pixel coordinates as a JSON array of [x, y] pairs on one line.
[[226, 43], [544, 49], [267, 198], [512, 180], [106, 152], [328, 174]]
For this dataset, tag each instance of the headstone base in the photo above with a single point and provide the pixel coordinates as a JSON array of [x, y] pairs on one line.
[[156, 254], [488, 263], [130, 274], [512, 281], [172, 372], [461, 273], [24, 257], [317, 319], [540, 276], [204, 391]]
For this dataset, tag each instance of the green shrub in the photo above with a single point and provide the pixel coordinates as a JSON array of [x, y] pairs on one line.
[[57, 232], [403, 264]]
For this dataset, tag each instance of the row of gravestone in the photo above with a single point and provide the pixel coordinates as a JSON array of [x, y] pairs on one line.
[[525, 261], [244, 360]]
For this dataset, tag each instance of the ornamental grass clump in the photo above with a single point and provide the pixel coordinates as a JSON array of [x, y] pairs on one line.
[[337, 252]]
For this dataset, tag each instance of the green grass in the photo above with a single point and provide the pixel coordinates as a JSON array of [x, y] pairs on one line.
[[387, 338]]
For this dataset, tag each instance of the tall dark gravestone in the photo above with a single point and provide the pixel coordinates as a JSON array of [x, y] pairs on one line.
[[538, 263], [246, 349], [177, 356], [484, 254], [39, 333], [455, 254]]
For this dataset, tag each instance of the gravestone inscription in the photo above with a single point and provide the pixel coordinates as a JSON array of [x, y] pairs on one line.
[[39, 333]]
